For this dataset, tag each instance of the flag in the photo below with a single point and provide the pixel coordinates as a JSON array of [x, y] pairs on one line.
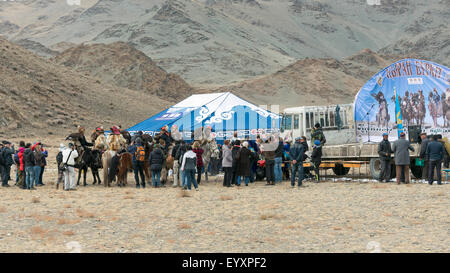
[[398, 114]]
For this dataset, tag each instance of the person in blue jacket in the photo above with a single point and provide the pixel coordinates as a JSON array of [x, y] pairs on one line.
[[296, 158], [435, 154]]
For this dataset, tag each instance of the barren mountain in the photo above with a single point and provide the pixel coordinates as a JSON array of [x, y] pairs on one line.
[[314, 81], [39, 96], [216, 42], [121, 64]]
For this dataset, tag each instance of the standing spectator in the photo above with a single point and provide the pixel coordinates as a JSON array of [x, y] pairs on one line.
[[402, 160], [316, 158], [28, 161], [69, 156], [296, 158], [234, 153], [245, 158], [156, 163], [385, 151], [188, 166], [199, 152], [227, 163], [253, 147], [2, 160], [7, 156], [16, 160], [138, 152], [278, 162], [180, 153], [423, 155], [286, 159], [269, 157], [44, 159], [20, 169], [435, 153], [176, 166], [59, 160], [38, 162]]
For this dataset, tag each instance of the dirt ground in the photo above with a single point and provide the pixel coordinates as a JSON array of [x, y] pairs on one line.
[[340, 216]]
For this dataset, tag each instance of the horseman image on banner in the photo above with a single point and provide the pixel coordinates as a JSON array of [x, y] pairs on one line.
[[421, 98]]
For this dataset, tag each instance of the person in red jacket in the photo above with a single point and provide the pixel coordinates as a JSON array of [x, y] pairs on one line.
[[21, 169]]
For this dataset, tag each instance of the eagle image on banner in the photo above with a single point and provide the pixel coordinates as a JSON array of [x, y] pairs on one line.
[[407, 92]]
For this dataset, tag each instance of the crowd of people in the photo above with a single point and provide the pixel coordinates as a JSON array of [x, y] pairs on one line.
[[432, 153], [241, 160]]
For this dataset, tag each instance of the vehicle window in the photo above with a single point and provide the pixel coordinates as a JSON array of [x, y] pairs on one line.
[[288, 122], [295, 121]]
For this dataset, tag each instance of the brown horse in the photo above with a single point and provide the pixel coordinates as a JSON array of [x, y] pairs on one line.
[[125, 164], [147, 141]]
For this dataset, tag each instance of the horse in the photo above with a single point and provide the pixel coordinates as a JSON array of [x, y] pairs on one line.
[[125, 164], [406, 109], [419, 107], [147, 141], [89, 159], [206, 156], [168, 165], [382, 116]]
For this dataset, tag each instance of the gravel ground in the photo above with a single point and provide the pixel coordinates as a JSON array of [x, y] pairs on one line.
[[324, 217]]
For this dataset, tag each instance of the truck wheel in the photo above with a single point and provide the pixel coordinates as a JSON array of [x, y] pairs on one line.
[[375, 168], [416, 170], [340, 170]]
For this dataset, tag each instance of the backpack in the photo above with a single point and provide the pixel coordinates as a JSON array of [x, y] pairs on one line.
[[140, 153]]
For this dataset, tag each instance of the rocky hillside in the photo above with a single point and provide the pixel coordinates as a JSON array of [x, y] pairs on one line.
[[314, 81], [39, 97], [121, 64], [217, 42]]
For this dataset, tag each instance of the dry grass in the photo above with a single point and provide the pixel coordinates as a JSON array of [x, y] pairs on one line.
[[65, 221], [68, 233], [184, 193], [270, 216], [337, 228], [379, 186], [46, 218], [128, 197], [2, 209], [35, 200], [225, 197], [441, 193], [84, 214], [184, 226], [38, 231], [67, 206]]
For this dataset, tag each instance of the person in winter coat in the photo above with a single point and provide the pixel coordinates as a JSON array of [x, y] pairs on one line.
[[278, 162], [245, 158], [59, 159], [234, 153], [296, 158], [21, 169], [69, 156], [385, 151], [316, 158], [138, 152], [199, 152], [317, 134], [435, 153], [28, 160], [423, 156], [179, 155], [269, 157], [156, 163], [402, 160], [215, 155], [38, 163], [227, 163], [44, 161], [7, 153], [188, 166]]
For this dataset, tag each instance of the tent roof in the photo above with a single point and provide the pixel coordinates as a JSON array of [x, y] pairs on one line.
[[209, 109]]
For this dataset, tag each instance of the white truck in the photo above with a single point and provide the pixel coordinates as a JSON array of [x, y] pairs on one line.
[[342, 149]]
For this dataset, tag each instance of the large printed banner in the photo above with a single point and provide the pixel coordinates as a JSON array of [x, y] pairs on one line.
[[423, 93]]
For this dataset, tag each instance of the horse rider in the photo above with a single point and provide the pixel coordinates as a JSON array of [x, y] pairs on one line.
[[115, 141], [100, 140]]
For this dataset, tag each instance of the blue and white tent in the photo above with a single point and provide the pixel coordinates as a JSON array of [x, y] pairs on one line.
[[224, 112]]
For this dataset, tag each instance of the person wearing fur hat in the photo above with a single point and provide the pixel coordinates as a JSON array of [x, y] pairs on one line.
[[115, 140]]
